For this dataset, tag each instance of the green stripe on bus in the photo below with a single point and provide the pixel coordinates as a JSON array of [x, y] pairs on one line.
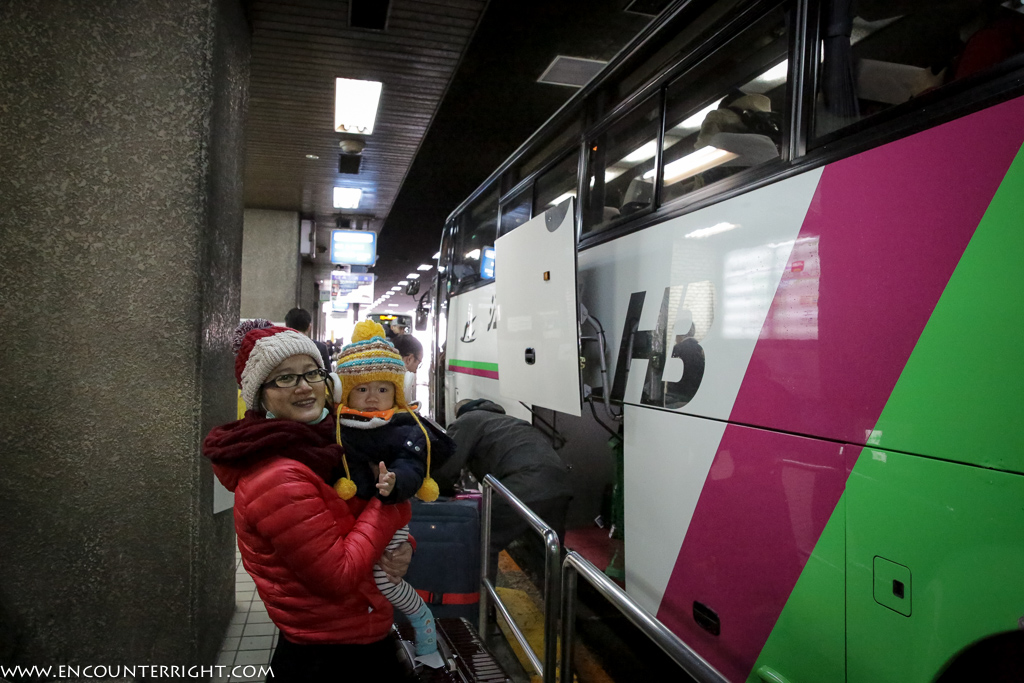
[[960, 395], [476, 365]]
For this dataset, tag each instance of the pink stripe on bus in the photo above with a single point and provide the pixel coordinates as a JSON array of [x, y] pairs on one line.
[[489, 374], [891, 225]]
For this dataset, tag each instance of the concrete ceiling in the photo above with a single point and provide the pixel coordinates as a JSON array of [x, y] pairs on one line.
[[460, 94]]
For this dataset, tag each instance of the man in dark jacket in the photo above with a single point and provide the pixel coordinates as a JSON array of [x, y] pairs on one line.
[[300, 319], [488, 441]]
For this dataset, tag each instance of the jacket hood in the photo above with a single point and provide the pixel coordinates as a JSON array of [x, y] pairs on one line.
[[480, 404]]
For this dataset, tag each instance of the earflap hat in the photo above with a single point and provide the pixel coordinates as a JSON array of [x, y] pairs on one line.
[[371, 358], [259, 347]]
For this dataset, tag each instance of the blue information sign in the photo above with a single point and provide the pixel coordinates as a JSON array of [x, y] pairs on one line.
[[487, 264], [355, 247]]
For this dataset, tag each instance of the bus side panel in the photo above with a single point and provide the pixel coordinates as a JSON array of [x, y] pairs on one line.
[[764, 503], [952, 536], [471, 362], [891, 224], [705, 279]]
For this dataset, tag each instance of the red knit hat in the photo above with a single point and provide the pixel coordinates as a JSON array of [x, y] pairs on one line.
[[259, 347]]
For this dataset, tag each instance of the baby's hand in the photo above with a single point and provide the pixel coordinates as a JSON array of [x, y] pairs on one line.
[[385, 480]]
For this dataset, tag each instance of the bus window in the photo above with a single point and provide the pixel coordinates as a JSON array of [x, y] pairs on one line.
[[557, 184], [876, 55], [727, 113], [566, 136], [620, 167], [478, 226], [516, 210]]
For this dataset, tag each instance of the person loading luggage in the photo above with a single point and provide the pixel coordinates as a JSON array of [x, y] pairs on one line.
[[487, 441], [388, 451]]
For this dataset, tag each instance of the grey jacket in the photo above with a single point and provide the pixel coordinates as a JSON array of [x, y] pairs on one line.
[[490, 442]]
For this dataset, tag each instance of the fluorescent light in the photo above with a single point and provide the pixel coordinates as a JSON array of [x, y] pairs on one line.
[[396, 288], [642, 153], [413, 276], [347, 197], [392, 305], [561, 198], [770, 79], [312, 156], [475, 254], [424, 266], [355, 105], [610, 174], [403, 282], [694, 163], [713, 230], [693, 123], [436, 256]]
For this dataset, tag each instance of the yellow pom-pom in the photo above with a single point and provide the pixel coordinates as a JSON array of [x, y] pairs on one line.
[[345, 487], [367, 329], [428, 492]]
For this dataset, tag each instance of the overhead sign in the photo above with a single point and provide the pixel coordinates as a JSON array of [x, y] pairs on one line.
[[355, 247], [350, 288]]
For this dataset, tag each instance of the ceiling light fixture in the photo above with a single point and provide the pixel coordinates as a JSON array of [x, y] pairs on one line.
[[692, 164], [396, 288], [436, 256], [355, 105], [347, 197], [403, 282], [413, 276], [425, 266], [312, 156]]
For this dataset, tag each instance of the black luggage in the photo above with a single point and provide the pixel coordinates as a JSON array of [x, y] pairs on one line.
[[446, 568]]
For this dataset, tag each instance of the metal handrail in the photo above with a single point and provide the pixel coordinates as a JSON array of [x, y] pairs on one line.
[[680, 652], [552, 573]]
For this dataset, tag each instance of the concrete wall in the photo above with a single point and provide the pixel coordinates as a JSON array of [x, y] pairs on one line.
[[121, 149], [270, 264]]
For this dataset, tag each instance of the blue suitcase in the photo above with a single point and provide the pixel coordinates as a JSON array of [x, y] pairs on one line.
[[445, 570]]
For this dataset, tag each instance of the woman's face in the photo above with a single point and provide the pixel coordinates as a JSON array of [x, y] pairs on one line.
[[372, 396], [412, 363], [303, 402]]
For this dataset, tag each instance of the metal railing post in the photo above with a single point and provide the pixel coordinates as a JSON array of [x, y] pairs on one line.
[[485, 556], [552, 578], [681, 653]]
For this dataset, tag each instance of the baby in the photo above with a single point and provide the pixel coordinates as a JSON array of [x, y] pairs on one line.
[[390, 450]]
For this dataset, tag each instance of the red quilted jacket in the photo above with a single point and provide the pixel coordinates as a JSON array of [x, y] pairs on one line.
[[310, 553]]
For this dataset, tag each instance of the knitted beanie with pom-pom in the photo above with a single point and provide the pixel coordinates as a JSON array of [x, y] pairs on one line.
[[371, 358], [259, 347]]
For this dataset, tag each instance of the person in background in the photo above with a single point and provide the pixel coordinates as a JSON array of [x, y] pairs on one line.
[[411, 351], [300, 319], [310, 553], [487, 441]]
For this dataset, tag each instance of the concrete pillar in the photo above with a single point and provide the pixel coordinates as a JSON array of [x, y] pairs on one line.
[[270, 264], [121, 147]]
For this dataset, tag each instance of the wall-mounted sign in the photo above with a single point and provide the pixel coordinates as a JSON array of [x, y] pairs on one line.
[[356, 247], [487, 264], [350, 288]]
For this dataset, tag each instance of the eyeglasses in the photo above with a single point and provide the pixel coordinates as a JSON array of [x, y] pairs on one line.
[[289, 381]]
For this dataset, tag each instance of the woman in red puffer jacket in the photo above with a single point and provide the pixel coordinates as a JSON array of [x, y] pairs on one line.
[[310, 553]]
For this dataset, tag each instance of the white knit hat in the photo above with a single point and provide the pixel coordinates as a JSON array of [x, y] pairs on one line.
[[259, 347]]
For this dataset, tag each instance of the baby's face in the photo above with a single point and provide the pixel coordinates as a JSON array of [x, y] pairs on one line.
[[372, 396]]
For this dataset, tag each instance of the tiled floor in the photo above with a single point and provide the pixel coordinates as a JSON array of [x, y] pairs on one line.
[[251, 637]]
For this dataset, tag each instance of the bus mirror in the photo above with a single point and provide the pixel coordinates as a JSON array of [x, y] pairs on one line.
[[421, 320], [413, 288]]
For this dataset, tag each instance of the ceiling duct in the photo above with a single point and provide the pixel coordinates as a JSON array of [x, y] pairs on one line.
[[575, 72], [369, 14]]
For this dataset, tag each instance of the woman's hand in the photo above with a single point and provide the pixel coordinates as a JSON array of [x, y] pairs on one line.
[[385, 480], [396, 563]]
